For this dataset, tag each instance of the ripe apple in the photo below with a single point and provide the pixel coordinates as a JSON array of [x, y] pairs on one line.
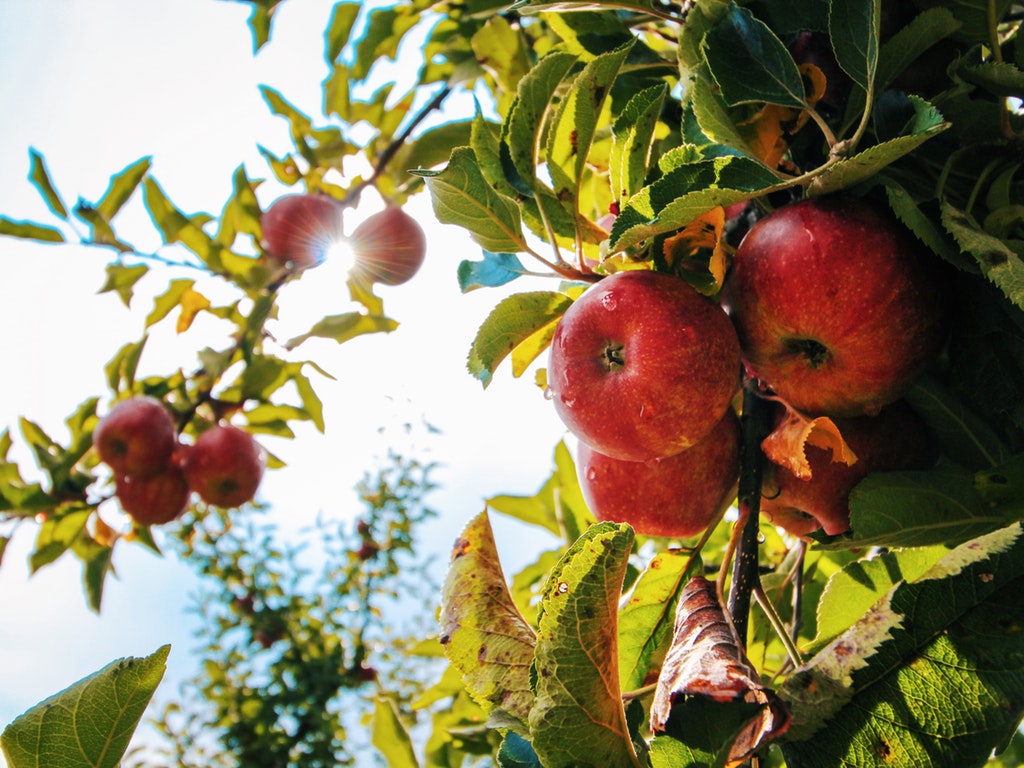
[[388, 247], [137, 437], [154, 499], [642, 366], [225, 466], [298, 229], [838, 309], [895, 439], [676, 496]]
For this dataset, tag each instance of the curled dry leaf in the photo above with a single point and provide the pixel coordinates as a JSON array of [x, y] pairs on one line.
[[794, 431], [705, 659]]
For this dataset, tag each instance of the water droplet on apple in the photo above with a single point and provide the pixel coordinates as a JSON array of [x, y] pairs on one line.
[[548, 394], [609, 301], [591, 474]]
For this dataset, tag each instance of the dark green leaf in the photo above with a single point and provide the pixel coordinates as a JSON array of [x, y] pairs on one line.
[[998, 261], [29, 230], [513, 321], [578, 720], [495, 269], [853, 26], [516, 752], [90, 724], [40, 178], [751, 64], [962, 436], [701, 733]]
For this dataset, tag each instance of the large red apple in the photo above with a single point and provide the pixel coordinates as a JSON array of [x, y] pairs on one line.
[[298, 229], [225, 466], [895, 439], [137, 437], [388, 247], [676, 496], [642, 366], [838, 308], [156, 499]]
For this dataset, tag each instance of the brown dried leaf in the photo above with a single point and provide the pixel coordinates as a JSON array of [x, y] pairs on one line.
[[705, 659], [794, 431]]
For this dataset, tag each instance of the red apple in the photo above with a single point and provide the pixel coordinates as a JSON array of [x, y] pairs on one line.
[[298, 229], [676, 496], [225, 466], [895, 439], [642, 366], [137, 437], [388, 247], [838, 308], [155, 499]]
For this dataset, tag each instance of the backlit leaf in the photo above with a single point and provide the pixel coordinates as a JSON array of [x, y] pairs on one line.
[[389, 736], [122, 187], [460, 195], [512, 322], [484, 635], [89, 724], [786, 444], [493, 270], [633, 133], [336, 36], [29, 230], [578, 720], [341, 328], [40, 178]]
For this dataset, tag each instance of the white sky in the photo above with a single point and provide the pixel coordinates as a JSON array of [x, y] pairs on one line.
[[97, 84]]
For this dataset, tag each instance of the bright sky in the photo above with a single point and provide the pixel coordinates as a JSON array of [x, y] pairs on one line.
[[94, 85]]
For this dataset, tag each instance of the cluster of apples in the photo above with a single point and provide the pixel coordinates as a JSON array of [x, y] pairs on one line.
[[829, 305], [388, 247], [155, 474]]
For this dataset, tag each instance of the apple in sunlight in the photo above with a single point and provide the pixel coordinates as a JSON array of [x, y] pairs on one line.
[[299, 229], [137, 437], [895, 439], [642, 366], [838, 307], [388, 247], [155, 499], [225, 466], [676, 496]]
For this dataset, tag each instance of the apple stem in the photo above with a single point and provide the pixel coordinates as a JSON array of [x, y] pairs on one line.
[[745, 576]]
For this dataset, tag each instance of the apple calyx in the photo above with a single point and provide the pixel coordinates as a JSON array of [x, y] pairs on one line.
[[614, 357], [814, 352]]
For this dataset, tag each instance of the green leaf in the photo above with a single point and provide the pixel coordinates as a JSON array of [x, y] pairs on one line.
[[168, 300], [120, 370], [495, 269], [389, 736], [574, 124], [962, 436], [516, 752], [869, 696], [558, 506], [484, 635], [853, 26], [311, 402], [919, 509], [702, 732], [89, 724], [909, 42], [513, 321], [460, 195], [633, 134], [646, 621], [342, 328], [578, 720], [927, 230], [977, 16], [57, 534], [29, 230], [502, 49], [687, 190], [384, 33], [846, 172], [998, 262], [122, 187], [339, 29], [174, 226], [40, 178], [121, 279], [241, 213], [750, 64]]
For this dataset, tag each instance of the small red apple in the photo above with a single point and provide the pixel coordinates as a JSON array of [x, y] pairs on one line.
[[154, 499], [388, 247], [838, 308], [676, 496], [895, 439], [137, 437], [298, 229], [642, 366], [225, 466]]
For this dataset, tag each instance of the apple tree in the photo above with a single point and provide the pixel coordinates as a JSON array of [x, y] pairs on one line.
[[802, 220]]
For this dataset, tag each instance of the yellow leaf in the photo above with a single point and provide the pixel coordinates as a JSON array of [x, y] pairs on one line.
[[192, 302]]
